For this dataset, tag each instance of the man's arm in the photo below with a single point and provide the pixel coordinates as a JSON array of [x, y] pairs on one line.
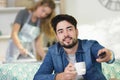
[[46, 69], [109, 56], [98, 49], [112, 58]]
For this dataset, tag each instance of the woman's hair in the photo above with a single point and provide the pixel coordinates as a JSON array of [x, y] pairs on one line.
[[45, 25]]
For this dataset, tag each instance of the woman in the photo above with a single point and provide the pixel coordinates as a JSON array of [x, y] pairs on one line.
[[28, 28]]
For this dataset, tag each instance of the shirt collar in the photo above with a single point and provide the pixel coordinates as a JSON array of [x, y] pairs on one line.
[[80, 49]]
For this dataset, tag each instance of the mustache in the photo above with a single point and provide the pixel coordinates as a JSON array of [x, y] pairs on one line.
[[67, 37]]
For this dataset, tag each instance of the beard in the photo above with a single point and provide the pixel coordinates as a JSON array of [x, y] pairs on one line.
[[74, 42]]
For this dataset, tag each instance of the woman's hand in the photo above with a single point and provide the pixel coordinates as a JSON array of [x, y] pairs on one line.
[[23, 51]]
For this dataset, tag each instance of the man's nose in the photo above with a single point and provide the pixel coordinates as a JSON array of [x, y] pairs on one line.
[[66, 33]]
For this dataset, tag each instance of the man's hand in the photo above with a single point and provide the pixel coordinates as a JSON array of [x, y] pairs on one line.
[[107, 57], [68, 74]]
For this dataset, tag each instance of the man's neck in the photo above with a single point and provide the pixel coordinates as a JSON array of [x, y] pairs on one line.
[[71, 50]]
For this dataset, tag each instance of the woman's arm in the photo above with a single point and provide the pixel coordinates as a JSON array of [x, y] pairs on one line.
[[16, 40], [39, 46]]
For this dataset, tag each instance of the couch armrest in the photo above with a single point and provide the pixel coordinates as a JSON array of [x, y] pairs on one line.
[[112, 71]]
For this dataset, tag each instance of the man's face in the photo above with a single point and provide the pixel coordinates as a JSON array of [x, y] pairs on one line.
[[66, 34]]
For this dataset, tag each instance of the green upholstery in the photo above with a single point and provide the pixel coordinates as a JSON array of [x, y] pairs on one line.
[[26, 71], [112, 71], [18, 71]]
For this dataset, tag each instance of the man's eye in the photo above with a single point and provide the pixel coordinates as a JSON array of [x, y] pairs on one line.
[[60, 32], [70, 29]]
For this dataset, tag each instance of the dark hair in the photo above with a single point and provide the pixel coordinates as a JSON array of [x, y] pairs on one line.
[[62, 17]]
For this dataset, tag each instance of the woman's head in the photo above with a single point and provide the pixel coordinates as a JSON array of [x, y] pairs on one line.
[[44, 8], [46, 11]]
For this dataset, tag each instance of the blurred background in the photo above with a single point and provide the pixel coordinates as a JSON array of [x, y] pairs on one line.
[[97, 19]]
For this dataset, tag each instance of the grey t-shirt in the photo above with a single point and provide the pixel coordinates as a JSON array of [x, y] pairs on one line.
[[22, 17], [72, 58]]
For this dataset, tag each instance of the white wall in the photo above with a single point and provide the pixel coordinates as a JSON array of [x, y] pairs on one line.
[[7, 17], [96, 22], [88, 11], [6, 20]]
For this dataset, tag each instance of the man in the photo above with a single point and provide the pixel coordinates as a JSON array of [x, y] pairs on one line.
[[59, 61]]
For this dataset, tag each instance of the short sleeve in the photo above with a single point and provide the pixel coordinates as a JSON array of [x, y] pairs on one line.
[[21, 17]]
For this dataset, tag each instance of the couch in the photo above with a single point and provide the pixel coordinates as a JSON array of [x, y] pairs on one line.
[[26, 70]]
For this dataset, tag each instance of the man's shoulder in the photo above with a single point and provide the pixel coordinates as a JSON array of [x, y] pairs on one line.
[[86, 44], [55, 47], [87, 41]]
